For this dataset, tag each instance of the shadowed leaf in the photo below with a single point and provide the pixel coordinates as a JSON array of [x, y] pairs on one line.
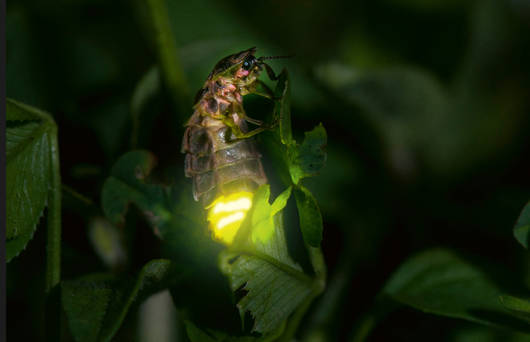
[[442, 283], [310, 216], [96, 305], [29, 133], [521, 231]]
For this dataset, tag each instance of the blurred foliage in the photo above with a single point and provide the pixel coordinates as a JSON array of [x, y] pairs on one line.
[[426, 110]]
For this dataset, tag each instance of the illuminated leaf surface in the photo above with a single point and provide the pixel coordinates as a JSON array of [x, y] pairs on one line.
[[96, 305], [442, 283], [521, 230], [274, 284], [28, 154]]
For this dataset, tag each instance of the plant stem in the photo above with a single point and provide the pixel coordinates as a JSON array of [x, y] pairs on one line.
[[168, 55], [380, 309], [80, 197], [53, 248], [319, 265]]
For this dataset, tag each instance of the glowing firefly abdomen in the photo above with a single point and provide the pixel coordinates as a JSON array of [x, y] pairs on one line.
[[225, 172]]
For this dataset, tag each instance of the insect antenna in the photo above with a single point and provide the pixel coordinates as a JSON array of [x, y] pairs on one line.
[[275, 57]]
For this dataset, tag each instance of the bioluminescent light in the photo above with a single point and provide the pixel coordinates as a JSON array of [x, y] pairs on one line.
[[226, 213], [235, 217], [244, 203]]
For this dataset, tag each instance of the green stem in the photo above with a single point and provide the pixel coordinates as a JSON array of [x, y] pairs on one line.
[[319, 265], [168, 55], [80, 197], [381, 308], [53, 248]]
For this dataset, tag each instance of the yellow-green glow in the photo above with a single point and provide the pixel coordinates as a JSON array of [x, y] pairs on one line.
[[235, 217], [226, 213], [243, 203]]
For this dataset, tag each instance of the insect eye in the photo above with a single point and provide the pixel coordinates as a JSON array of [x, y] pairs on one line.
[[248, 63]]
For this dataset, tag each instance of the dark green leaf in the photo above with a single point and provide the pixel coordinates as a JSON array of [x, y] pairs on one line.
[[521, 231], [516, 304], [310, 217], [275, 285], [29, 134], [127, 184], [96, 305], [442, 283], [282, 108], [307, 159]]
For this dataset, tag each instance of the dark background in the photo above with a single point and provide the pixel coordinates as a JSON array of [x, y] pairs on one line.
[[426, 105]]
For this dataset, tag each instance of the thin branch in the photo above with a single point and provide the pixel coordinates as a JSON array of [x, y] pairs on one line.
[[168, 54]]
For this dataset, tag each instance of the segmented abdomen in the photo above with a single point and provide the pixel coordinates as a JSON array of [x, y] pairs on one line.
[[217, 161]]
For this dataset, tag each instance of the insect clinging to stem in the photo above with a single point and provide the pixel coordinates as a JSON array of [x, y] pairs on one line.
[[221, 156]]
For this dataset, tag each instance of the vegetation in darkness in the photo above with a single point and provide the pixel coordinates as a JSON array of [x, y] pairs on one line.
[[397, 207]]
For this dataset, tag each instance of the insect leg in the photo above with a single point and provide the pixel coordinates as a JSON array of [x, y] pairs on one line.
[[241, 113], [236, 130], [270, 72], [266, 92], [252, 121]]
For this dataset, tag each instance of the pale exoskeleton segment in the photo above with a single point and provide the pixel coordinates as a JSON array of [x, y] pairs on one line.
[[221, 156]]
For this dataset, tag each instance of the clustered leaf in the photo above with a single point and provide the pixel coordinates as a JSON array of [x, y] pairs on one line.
[[258, 261], [274, 284], [29, 135], [302, 161]]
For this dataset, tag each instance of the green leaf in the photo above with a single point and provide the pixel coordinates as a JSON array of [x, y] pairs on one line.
[[310, 216], [282, 108], [521, 231], [281, 201], [307, 159], [96, 305], [303, 160], [440, 282], [127, 184], [261, 266], [516, 304], [29, 137]]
